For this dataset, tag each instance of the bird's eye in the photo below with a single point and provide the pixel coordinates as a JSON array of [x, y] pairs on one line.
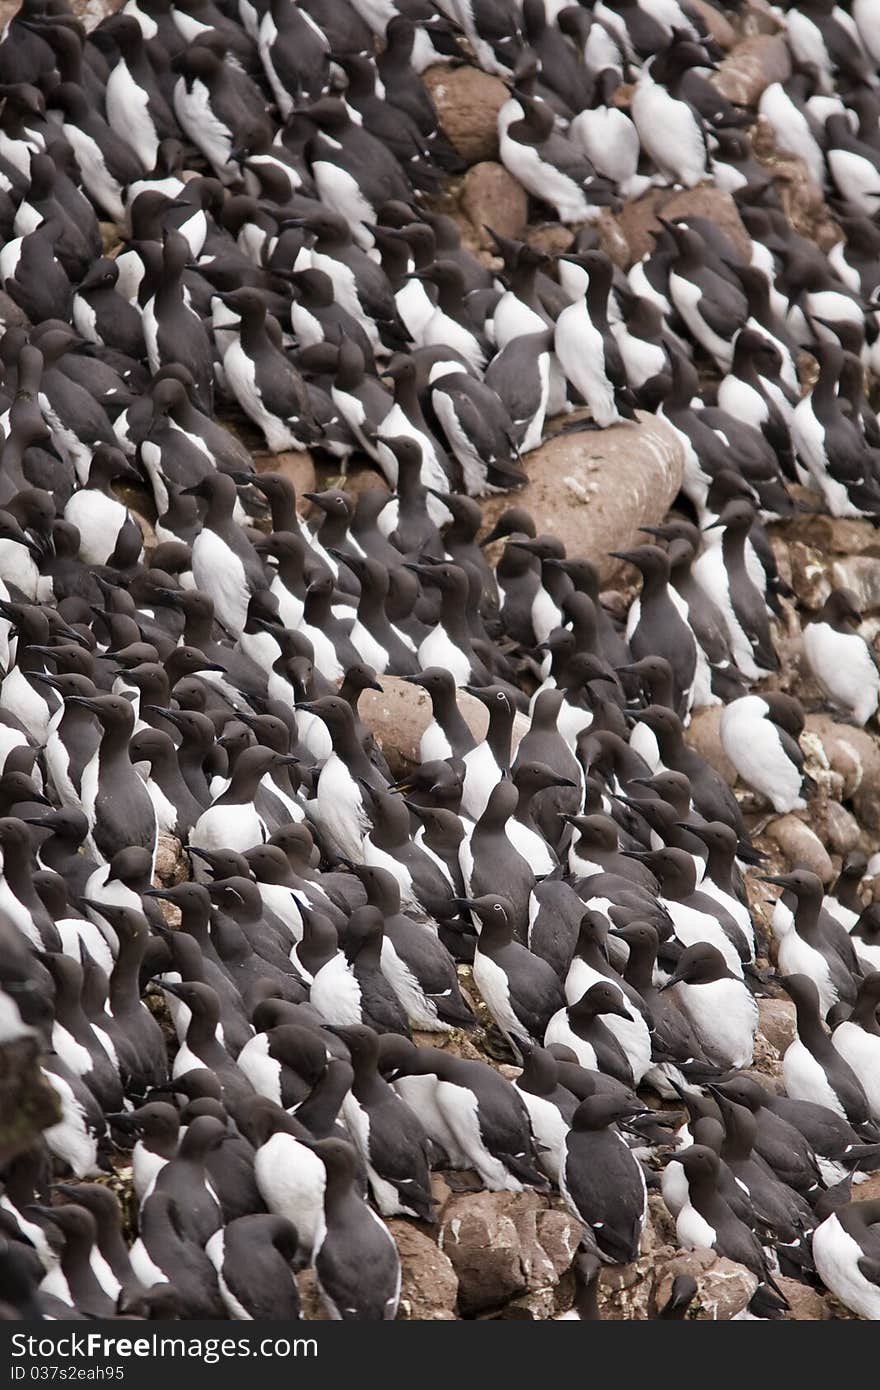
[[497, 908]]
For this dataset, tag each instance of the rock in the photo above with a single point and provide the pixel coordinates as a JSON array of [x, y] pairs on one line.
[[801, 846], [805, 1304], [595, 488], [809, 577], [704, 735], [360, 478], [841, 829], [28, 1103], [298, 466], [539, 1270], [713, 205], [638, 225], [491, 197], [660, 1228], [141, 504], [802, 201], [150, 540], [311, 1302], [625, 1292], [468, 102], [559, 1235], [481, 1239], [758, 17], [767, 1064], [400, 714], [172, 865], [440, 1191], [111, 238], [723, 1287], [91, 12], [861, 573], [552, 238], [638, 219], [720, 28], [496, 1243], [539, 1306], [828, 535], [429, 1286], [856, 755], [777, 1022], [867, 1191], [611, 239], [753, 66]]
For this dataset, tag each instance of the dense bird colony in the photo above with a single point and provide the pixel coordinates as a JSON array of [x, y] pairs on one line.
[[279, 994]]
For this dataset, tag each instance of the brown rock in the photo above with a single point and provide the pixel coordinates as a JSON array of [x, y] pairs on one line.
[[861, 573], [171, 861], [147, 530], [625, 1292], [552, 238], [468, 102], [767, 1063], [660, 1229], [828, 535], [91, 12], [703, 734], [539, 1270], [400, 714], [310, 1299], [809, 577], [429, 1286], [111, 238], [612, 240], [559, 1235], [723, 1287], [361, 478], [802, 200], [777, 1022], [757, 17], [481, 1239], [509, 1251], [867, 1191], [538, 1306], [753, 66], [440, 1191], [594, 488], [28, 1103], [720, 28], [492, 198], [141, 503], [801, 845], [638, 225], [638, 219], [841, 828], [713, 205], [298, 466], [856, 755], [805, 1304]]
